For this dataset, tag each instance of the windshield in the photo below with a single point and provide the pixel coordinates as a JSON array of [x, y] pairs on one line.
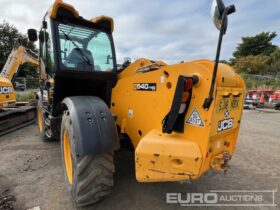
[[84, 49]]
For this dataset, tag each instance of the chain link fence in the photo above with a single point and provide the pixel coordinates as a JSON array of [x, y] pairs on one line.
[[26, 88], [255, 81], [25, 84]]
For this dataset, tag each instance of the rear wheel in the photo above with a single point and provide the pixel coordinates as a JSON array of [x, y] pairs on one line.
[[88, 178]]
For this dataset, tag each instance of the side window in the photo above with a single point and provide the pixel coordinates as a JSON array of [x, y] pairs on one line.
[[49, 53], [42, 46], [100, 46]]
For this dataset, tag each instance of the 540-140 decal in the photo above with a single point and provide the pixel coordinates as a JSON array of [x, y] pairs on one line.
[[145, 86]]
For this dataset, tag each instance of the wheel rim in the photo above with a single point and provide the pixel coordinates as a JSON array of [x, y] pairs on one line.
[[67, 156], [40, 120]]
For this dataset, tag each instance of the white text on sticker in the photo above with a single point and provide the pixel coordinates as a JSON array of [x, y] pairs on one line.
[[195, 119], [225, 124]]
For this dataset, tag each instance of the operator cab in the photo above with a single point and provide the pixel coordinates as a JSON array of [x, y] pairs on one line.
[[84, 49], [77, 56]]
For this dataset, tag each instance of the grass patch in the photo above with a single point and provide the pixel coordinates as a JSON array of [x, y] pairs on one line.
[[29, 95]]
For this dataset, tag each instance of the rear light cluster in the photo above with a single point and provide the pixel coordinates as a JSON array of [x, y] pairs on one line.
[[188, 84], [174, 120]]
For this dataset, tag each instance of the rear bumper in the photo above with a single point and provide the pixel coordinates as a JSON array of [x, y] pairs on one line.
[[166, 157]]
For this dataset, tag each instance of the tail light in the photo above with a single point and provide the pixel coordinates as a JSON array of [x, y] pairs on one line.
[[188, 83], [174, 120]]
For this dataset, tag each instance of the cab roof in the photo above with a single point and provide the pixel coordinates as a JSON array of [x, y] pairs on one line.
[[62, 9]]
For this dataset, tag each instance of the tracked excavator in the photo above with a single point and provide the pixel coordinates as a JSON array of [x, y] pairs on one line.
[[182, 119], [14, 115]]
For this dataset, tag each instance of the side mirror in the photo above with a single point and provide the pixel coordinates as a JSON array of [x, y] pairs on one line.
[[220, 17], [217, 11], [32, 35]]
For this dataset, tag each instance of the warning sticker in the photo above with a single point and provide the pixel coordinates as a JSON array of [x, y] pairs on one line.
[[195, 119]]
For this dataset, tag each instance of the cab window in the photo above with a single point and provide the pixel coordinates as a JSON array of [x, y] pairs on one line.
[[85, 49]]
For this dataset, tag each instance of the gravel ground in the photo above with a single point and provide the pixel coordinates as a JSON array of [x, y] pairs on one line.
[[31, 171]]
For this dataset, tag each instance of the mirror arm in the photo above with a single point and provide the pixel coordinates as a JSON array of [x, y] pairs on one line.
[[208, 101], [231, 9]]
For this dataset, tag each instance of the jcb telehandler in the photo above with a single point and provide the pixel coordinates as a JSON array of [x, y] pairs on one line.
[[182, 119], [12, 114]]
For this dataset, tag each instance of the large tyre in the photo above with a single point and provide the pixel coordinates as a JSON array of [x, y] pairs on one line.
[[88, 178], [41, 124]]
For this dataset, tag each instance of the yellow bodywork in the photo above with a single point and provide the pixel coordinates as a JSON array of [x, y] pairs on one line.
[[60, 4], [16, 58], [139, 114], [7, 93], [178, 156]]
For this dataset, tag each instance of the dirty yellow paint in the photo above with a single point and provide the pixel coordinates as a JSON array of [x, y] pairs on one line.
[[179, 156]]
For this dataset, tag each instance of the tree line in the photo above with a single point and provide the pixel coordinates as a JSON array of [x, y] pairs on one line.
[[257, 55]]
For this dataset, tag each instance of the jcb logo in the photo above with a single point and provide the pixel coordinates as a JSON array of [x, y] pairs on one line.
[[225, 124], [6, 90]]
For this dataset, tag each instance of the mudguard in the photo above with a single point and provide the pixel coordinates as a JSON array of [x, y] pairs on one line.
[[94, 126]]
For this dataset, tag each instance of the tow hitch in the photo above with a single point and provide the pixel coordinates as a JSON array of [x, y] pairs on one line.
[[220, 162]]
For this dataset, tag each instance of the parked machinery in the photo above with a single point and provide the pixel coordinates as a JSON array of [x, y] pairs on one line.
[[182, 119], [14, 115]]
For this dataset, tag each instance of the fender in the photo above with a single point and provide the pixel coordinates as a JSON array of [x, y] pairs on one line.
[[94, 126]]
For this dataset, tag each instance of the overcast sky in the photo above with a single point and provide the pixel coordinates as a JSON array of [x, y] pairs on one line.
[[160, 29]]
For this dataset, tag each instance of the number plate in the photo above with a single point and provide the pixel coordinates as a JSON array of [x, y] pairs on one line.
[[225, 104]]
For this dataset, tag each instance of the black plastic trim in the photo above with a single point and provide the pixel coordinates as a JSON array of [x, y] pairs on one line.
[[174, 121], [94, 126]]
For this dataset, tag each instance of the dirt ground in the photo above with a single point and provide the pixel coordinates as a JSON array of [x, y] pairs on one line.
[[32, 171]]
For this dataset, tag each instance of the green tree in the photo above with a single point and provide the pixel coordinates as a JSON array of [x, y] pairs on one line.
[[275, 61], [224, 61], [10, 38], [252, 64], [28, 70], [261, 44]]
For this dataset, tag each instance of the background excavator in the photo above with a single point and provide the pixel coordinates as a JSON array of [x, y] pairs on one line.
[[182, 119], [12, 114]]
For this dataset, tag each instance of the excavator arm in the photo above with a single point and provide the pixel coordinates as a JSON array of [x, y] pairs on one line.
[[17, 57]]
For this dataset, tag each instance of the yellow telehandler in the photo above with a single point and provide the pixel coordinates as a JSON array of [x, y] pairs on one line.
[[182, 119], [14, 115]]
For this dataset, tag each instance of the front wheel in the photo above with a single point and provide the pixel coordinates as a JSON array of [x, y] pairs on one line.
[[88, 178], [45, 133]]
